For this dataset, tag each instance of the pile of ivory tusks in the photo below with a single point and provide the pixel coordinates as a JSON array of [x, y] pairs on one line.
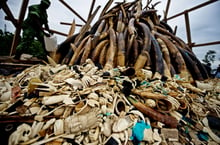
[[132, 35], [81, 104]]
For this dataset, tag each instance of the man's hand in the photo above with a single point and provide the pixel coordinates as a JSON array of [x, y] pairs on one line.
[[47, 34], [48, 29], [50, 32]]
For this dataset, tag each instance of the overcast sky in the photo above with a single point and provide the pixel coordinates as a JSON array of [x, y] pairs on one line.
[[204, 22]]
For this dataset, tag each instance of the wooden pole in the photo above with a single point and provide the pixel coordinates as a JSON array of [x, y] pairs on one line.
[[91, 9], [193, 8], [57, 32], [18, 28], [175, 29], [65, 23], [188, 32], [166, 11], [65, 4], [206, 44], [109, 3], [8, 12]]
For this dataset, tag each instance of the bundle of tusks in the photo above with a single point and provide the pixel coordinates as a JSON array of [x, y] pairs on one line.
[[129, 34]]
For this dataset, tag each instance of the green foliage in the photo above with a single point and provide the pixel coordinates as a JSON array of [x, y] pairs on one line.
[[209, 57], [36, 49], [6, 39], [32, 47]]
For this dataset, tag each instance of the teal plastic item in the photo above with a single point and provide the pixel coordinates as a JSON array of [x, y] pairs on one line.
[[138, 130], [203, 136], [108, 113], [147, 84]]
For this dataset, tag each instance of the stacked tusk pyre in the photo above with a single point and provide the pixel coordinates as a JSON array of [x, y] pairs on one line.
[[132, 35]]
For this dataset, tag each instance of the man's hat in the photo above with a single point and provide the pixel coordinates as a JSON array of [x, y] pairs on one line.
[[47, 2]]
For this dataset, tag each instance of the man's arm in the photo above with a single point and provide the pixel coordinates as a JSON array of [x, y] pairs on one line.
[[38, 25], [47, 28]]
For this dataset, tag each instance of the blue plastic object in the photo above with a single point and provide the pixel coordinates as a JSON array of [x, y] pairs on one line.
[[138, 131]]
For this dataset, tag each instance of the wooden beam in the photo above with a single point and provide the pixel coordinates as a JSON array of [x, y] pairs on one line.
[[65, 4], [192, 9], [66, 23], [8, 12], [206, 44], [57, 32], [188, 31], [18, 28], [166, 11], [175, 30], [91, 9]]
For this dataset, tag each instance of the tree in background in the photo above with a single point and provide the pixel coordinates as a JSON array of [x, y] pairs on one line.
[[209, 57], [208, 60], [6, 39]]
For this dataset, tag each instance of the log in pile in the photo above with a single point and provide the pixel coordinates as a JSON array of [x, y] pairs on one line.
[[130, 34]]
